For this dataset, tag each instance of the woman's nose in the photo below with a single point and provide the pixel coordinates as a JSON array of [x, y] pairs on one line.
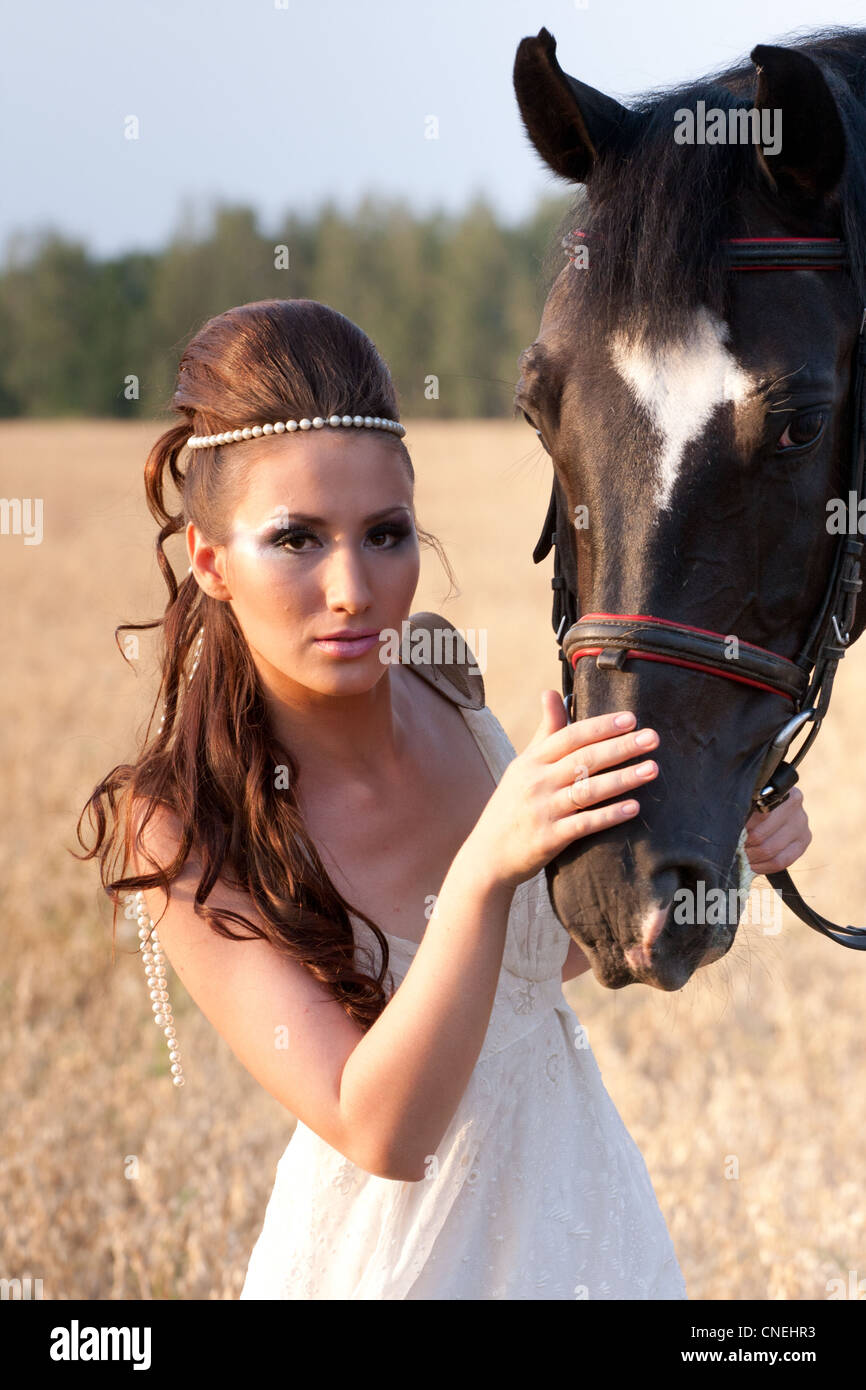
[[346, 581]]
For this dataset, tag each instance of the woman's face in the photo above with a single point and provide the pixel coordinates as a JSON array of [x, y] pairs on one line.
[[323, 540]]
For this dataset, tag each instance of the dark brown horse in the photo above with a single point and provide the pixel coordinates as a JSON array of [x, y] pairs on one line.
[[699, 422]]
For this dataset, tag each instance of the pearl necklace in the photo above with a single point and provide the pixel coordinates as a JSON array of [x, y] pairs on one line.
[[358, 422], [151, 947]]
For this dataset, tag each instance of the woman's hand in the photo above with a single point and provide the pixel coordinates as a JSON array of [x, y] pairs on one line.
[[775, 839], [540, 803]]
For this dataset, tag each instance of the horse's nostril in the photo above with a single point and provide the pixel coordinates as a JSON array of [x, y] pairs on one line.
[[667, 882], [663, 950], [681, 886]]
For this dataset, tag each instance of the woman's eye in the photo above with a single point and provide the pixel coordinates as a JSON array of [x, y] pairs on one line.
[[286, 539], [801, 432], [395, 530]]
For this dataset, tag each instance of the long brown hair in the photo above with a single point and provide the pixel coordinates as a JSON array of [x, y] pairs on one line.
[[212, 761]]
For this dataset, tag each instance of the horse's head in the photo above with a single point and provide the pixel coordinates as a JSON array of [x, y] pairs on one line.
[[700, 423]]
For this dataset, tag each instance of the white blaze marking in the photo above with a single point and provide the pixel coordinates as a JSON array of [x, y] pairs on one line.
[[680, 385]]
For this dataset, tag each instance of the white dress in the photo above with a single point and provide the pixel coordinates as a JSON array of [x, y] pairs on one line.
[[537, 1190]]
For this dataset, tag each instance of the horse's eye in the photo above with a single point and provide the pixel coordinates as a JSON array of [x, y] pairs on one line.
[[529, 420], [802, 432]]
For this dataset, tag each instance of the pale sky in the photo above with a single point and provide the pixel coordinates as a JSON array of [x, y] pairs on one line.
[[283, 104]]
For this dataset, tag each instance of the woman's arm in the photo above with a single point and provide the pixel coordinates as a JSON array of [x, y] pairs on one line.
[[412, 1067], [383, 1098]]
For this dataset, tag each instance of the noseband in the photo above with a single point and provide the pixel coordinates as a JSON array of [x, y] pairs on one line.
[[614, 639]]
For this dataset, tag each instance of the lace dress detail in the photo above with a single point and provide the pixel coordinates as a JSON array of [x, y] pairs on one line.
[[536, 1190]]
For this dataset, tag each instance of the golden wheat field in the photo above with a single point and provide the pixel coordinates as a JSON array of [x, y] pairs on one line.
[[760, 1057]]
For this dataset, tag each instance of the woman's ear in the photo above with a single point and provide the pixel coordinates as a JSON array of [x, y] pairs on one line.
[[207, 564]]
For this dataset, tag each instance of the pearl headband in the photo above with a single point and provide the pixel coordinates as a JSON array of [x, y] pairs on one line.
[[369, 422]]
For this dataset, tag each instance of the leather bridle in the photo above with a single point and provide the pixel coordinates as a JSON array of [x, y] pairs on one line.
[[807, 682]]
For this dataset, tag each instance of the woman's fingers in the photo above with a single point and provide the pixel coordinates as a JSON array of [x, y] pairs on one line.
[[589, 790], [775, 839], [577, 753], [777, 855], [583, 731], [762, 825], [612, 751], [587, 758], [553, 717], [570, 828]]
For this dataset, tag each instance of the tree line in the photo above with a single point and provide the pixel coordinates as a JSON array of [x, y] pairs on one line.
[[450, 302]]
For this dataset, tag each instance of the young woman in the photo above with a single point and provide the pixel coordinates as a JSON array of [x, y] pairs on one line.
[[345, 856]]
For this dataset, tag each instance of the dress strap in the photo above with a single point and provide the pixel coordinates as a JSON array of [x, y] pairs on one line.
[[442, 656], [495, 745]]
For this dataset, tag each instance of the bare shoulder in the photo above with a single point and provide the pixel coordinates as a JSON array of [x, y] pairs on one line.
[[160, 839], [439, 722], [282, 1024]]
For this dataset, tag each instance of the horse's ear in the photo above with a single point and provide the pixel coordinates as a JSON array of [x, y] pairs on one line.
[[811, 156], [569, 123]]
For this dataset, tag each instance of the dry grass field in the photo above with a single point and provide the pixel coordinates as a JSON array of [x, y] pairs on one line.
[[760, 1057]]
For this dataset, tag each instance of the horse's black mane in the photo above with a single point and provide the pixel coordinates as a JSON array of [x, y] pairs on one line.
[[660, 218]]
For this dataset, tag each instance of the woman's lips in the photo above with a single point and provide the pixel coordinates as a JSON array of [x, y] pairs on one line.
[[345, 646]]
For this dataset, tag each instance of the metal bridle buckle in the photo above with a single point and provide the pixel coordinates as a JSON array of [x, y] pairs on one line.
[[843, 641], [782, 776], [773, 795]]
